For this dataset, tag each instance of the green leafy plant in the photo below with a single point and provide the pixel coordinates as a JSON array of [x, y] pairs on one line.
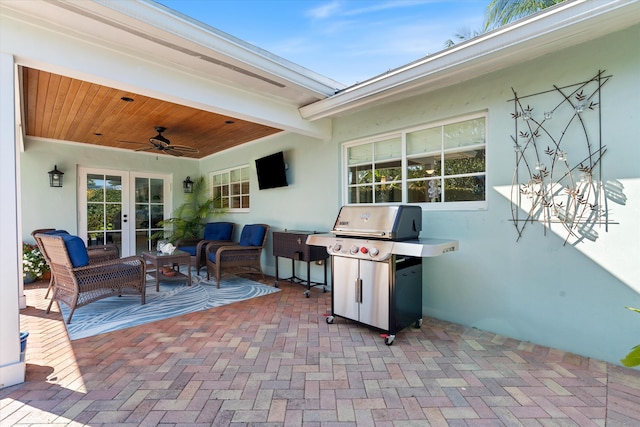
[[33, 263], [190, 217], [633, 358]]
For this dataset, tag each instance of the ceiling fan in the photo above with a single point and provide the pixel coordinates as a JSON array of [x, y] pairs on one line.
[[161, 143]]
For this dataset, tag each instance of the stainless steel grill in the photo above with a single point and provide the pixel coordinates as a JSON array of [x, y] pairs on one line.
[[378, 232], [376, 267], [379, 222]]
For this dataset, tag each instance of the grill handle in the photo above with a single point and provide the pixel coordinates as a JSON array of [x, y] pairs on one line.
[[358, 284], [359, 233]]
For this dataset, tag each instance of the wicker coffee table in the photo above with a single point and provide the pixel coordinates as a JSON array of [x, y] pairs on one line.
[[175, 259]]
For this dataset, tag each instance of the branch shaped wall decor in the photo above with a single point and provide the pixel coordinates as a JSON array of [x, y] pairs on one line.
[[558, 152]]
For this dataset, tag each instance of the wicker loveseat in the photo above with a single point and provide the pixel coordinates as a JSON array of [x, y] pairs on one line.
[[214, 232], [96, 253], [78, 282], [236, 257]]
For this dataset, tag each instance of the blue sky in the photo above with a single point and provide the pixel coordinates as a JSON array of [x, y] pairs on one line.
[[346, 40]]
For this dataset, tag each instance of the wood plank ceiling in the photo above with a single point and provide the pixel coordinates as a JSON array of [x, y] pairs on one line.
[[66, 109]]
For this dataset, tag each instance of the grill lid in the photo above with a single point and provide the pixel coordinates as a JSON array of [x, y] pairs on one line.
[[379, 222]]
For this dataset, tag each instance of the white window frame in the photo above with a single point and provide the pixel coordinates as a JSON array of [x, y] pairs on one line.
[[402, 134], [229, 173]]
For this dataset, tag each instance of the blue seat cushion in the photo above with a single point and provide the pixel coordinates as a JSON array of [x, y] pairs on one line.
[[252, 235], [76, 249], [218, 231], [190, 249]]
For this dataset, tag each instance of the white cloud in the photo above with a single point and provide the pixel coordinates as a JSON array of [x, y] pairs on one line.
[[387, 6], [338, 8], [325, 11]]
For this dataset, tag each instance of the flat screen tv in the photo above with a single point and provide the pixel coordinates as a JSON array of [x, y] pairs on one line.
[[271, 171]]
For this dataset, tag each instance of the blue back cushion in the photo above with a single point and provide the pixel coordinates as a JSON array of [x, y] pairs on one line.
[[56, 232], [191, 250], [76, 249], [252, 235], [218, 231]]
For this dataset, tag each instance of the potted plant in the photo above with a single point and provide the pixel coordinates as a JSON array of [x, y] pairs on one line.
[[190, 217], [33, 264], [633, 358]]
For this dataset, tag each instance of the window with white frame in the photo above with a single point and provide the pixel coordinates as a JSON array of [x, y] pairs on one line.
[[231, 189], [440, 166]]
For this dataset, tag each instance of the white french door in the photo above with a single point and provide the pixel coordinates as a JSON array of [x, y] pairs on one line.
[[151, 199], [121, 207]]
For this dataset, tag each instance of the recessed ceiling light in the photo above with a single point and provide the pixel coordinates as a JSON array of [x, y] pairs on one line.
[[126, 99]]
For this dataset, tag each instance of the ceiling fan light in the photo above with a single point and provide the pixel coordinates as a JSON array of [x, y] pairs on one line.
[[159, 139]]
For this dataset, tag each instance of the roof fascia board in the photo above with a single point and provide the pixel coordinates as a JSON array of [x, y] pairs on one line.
[[562, 26], [176, 27], [156, 23]]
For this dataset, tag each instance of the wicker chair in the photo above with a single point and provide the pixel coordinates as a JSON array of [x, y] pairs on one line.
[[214, 232], [78, 283], [242, 256], [96, 253]]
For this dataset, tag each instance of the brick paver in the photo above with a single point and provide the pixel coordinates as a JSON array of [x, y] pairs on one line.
[[275, 361]]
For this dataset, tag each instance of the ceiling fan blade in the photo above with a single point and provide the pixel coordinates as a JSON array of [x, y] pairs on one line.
[[160, 145], [184, 148], [133, 142], [173, 153]]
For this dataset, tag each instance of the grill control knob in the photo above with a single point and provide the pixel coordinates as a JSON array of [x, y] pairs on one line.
[[364, 250], [354, 249], [374, 251], [337, 247]]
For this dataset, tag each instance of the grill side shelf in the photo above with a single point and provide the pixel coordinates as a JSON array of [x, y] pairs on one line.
[[425, 247]]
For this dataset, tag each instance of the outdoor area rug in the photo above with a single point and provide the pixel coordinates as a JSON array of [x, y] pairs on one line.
[[174, 299]]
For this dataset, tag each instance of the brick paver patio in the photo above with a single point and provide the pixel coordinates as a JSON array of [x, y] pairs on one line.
[[274, 361]]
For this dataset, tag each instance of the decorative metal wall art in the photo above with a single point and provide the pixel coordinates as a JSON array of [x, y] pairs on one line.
[[558, 151]]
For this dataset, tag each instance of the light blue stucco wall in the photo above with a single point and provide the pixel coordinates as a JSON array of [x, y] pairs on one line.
[[45, 207], [291, 207], [310, 202], [537, 290]]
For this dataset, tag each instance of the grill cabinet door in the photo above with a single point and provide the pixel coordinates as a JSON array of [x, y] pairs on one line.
[[374, 305], [361, 291], [345, 275]]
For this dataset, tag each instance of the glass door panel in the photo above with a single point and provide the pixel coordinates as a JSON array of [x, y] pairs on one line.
[[123, 208], [150, 194], [104, 210]]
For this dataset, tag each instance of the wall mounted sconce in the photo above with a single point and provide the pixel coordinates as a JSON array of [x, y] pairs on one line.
[[55, 177], [187, 185]]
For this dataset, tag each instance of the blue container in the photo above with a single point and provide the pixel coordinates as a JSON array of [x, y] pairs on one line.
[[23, 344]]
